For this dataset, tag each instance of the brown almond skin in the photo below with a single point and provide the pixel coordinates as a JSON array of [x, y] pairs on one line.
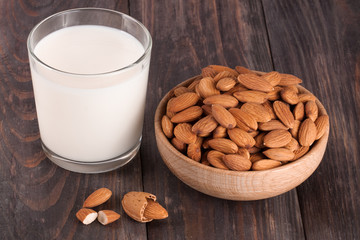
[[187, 115], [273, 78], [154, 210], [299, 111], [241, 138], [295, 130], [225, 84], [205, 125], [183, 132], [272, 125], [208, 72], [244, 153], [293, 145], [300, 152], [179, 145], [181, 90], [243, 118], [265, 164], [321, 123], [251, 96], [224, 74], [304, 97], [257, 111], [277, 139], [254, 82], [242, 70], [281, 154], [257, 156], [311, 110], [207, 87], [289, 96], [194, 149], [307, 132], [220, 132], [83, 213], [226, 101], [275, 94], [223, 116], [111, 216], [167, 126], [97, 198], [270, 109], [220, 68], [215, 159], [282, 111], [237, 162], [183, 101], [223, 145], [289, 79]]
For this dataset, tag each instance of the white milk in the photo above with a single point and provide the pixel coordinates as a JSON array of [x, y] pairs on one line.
[[89, 117]]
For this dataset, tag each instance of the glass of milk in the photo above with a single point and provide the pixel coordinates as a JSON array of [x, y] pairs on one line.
[[89, 71]]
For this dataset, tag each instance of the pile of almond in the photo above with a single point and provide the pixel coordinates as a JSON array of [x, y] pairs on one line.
[[238, 119]]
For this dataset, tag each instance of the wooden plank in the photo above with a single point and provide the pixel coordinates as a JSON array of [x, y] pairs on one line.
[[189, 35], [39, 200], [319, 42]]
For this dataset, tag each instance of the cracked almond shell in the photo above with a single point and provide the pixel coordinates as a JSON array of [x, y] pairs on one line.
[[134, 204]]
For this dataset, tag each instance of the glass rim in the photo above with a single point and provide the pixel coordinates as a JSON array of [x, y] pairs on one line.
[[147, 48]]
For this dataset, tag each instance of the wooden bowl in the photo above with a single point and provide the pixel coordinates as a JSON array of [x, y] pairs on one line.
[[237, 185]]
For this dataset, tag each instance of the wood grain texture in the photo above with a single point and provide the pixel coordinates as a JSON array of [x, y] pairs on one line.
[[38, 199], [319, 42], [189, 35]]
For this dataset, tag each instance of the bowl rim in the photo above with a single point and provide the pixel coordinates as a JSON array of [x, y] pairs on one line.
[[158, 131]]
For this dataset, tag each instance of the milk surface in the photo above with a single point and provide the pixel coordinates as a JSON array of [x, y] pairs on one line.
[[89, 117]]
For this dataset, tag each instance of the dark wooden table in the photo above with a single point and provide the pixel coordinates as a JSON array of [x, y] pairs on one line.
[[316, 40]]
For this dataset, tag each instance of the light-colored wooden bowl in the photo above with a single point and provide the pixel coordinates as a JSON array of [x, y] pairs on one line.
[[237, 185]]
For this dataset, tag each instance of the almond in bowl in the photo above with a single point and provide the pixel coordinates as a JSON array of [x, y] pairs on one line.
[[241, 135]]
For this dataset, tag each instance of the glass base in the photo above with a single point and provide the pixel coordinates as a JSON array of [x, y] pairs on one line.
[[92, 167]]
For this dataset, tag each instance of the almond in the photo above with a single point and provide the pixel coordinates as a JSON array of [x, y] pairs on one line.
[[270, 109], [307, 132], [254, 82], [242, 70], [311, 110], [265, 164], [322, 124], [253, 150], [219, 68], [272, 125], [253, 133], [251, 96], [275, 94], [204, 159], [179, 145], [304, 97], [193, 84], [244, 153], [136, 203], [207, 87], [215, 159], [183, 132], [289, 96], [208, 72], [98, 197], [167, 126], [169, 113], [289, 79], [226, 101], [281, 154], [257, 156], [181, 90], [277, 138], [293, 145], [243, 118], [224, 74], [86, 216], [194, 149], [272, 77], [259, 140], [238, 88], [219, 132], [301, 152], [299, 111], [183, 101], [282, 111], [107, 216], [205, 125], [225, 84], [257, 111], [236, 162], [154, 210], [223, 145], [206, 109], [241, 138], [223, 116], [295, 130], [187, 115]]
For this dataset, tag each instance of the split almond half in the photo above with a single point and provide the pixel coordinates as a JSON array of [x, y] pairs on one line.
[[107, 216], [86, 216]]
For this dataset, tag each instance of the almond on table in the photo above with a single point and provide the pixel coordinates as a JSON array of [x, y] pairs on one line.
[[243, 120]]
